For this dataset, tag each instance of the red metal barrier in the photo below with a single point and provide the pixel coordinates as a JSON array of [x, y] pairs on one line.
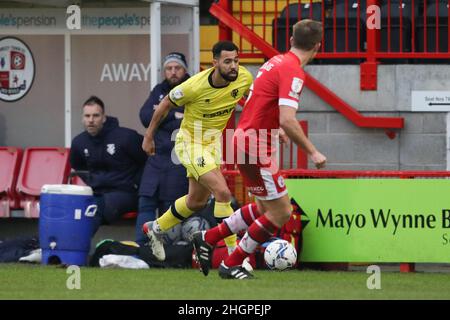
[[410, 30], [314, 85], [408, 14]]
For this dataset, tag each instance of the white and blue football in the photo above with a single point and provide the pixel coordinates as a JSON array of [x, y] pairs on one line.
[[280, 255]]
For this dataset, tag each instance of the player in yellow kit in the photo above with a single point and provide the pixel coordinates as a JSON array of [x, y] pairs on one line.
[[209, 99]]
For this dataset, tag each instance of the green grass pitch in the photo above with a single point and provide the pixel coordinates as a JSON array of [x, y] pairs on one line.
[[18, 281]]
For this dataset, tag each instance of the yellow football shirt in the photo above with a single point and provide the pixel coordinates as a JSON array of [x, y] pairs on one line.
[[207, 108]]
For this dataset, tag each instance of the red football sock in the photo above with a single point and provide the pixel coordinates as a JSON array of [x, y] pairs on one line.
[[259, 232], [238, 221], [250, 213], [236, 258], [214, 235]]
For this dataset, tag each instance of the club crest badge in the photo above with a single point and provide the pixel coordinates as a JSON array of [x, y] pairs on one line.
[[281, 182], [297, 85], [111, 148], [17, 69]]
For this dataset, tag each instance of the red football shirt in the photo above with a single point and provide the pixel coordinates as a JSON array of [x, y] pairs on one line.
[[279, 82]]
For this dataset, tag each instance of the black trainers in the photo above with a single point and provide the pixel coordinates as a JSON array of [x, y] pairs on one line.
[[203, 251], [236, 272]]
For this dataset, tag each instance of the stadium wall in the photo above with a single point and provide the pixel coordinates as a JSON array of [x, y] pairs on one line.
[[420, 145]]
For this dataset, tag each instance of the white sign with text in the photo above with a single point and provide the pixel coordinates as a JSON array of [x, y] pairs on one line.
[[437, 101]]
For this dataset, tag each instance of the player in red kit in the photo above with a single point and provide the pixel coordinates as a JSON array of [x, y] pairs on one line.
[[271, 105]]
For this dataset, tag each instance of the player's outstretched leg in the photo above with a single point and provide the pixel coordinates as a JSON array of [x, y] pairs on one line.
[[155, 242], [203, 251]]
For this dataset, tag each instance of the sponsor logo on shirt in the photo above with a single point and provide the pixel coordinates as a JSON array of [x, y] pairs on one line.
[[256, 189], [218, 113]]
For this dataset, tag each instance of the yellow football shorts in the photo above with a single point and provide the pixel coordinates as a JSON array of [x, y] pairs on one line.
[[197, 158]]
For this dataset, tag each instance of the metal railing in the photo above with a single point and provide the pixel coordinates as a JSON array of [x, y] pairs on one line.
[[396, 29], [229, 23]]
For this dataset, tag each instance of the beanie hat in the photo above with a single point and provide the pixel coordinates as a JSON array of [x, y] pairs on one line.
[[176, 57]]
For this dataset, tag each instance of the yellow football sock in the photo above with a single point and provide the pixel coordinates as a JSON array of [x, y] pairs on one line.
[[231, 242], [224, 210], [176, 213]]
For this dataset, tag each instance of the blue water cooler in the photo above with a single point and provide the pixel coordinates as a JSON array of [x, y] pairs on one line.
[[66, 221]]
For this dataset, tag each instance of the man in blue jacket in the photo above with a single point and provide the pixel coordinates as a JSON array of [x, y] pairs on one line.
[[163, 181], [113, 158]]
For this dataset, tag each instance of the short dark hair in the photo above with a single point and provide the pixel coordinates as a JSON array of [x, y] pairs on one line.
[[223, 46], [307, 33], [94, 100]]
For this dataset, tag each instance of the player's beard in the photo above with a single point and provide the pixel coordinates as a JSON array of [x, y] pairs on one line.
[[230, 76]]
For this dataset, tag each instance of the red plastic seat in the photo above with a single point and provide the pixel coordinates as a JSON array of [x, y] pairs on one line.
[[10, 159], [40, 165]]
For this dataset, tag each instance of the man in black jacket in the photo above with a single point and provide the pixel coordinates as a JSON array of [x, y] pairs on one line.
[[163, 181], [113, 158]]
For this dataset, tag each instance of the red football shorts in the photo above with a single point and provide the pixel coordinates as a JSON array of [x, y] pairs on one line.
[[264, 182]]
